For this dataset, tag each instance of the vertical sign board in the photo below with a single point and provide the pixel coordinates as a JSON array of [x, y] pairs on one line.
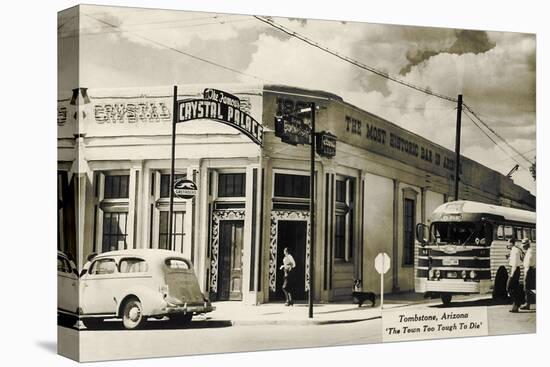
[[382, 265]]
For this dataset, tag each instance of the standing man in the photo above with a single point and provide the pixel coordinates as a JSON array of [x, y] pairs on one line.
[[513, 286], [528, 273], [288, 284]]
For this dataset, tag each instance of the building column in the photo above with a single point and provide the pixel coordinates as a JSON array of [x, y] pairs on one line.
[[395, 247]]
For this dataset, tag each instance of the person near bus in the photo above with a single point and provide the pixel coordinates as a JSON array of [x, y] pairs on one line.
[[288, 284], [513, 286], [528, 274]]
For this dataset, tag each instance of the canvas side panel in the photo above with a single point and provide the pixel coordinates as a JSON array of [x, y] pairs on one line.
[[69, 182]]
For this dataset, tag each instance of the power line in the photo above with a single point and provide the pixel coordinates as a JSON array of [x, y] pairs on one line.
[[210, 62], [125, 29], [496, 134], [389, 77], [503, 160], [353, 61], [490, 138]]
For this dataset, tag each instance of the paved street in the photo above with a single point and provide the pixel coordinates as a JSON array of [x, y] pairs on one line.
[[279, 327], [112, 342]]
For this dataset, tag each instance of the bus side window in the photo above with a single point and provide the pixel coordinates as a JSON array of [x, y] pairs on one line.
[[534, 235], [508, 232], [526, 233], [517, 233], [500, 232]]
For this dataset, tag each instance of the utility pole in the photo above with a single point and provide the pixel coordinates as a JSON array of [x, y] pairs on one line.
[[172, 167], [311, 210], [457, 144]]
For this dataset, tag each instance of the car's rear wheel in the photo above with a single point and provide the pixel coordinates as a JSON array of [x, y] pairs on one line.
[[132, 314], [92, 322], [182, 319]]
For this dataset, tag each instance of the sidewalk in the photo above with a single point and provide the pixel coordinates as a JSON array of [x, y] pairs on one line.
[[323, 313]]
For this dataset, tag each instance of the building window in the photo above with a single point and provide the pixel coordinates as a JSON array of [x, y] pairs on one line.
[[116, 187], [114, 231], [165, 186], [291, 186], [178, 230], [340, 237], [344, 217], [408, 229], [340, 191], [231, 184]]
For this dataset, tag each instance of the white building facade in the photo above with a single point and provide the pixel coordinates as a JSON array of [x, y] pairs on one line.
[[114, 184]]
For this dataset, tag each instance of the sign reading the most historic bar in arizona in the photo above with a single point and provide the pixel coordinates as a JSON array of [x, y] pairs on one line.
[[223, 107]]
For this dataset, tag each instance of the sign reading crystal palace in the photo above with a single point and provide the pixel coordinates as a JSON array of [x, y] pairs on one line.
[[222, 107], [242, 168]]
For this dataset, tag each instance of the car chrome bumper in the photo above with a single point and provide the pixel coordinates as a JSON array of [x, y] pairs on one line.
[[185, 308]]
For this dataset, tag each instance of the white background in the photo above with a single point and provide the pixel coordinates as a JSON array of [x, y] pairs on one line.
[[28, 181]]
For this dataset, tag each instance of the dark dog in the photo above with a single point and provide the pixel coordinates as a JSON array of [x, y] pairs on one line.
[[361, 296]]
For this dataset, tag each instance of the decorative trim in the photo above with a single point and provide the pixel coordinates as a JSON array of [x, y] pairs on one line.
[[217, 216], [276, 216]]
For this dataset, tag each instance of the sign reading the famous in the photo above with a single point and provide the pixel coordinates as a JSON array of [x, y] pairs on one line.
[[222, 107], [185, 189], [326, 144]]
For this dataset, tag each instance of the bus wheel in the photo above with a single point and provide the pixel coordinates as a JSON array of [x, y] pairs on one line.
[[499, 288], [446, 298]]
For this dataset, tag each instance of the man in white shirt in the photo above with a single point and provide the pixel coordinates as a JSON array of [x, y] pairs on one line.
[[513, 285], [528, 274], [288, 284]]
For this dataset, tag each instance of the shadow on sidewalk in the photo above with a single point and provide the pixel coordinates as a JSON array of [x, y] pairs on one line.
[[352, 309], [475, 303], [159, 325]]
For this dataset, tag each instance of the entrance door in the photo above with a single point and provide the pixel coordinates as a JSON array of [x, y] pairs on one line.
[[292, 234], [230, 256]]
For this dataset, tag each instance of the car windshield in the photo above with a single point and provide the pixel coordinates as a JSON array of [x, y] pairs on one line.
[[461, 232]]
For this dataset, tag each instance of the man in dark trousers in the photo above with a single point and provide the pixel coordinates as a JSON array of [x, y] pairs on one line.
[[288, 267], [528, 274], [513, 286]]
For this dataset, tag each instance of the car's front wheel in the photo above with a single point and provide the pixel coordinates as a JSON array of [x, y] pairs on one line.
[[132, 314]]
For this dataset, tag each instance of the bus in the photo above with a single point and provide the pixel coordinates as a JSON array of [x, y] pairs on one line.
[[465, 249]]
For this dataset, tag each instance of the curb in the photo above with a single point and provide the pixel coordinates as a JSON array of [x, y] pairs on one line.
[[299, 322]]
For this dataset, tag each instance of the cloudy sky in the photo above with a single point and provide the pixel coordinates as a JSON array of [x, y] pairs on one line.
[[495, 71]]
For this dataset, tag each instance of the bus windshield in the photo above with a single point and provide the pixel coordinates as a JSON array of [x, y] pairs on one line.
[[461, 232]]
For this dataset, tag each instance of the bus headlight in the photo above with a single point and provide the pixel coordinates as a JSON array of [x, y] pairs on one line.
[[464, 274], [473, 274], [437, 273]]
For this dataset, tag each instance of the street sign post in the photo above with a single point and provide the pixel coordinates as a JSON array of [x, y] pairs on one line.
[[185, 189], [382, 265]]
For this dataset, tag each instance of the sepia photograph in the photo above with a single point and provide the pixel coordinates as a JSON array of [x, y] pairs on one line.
[[237, 182]]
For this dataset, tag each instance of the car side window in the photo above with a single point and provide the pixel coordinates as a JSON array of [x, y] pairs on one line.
[[177, 264], [132, 265], [63, 265], [103, 266]]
